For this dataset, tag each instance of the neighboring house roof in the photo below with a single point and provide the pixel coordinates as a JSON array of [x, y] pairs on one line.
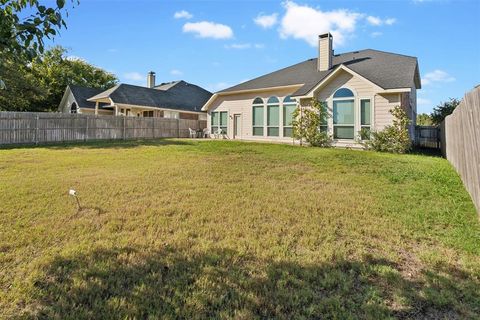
[[179, 96], [387, 70], [167, 85], [81, 94]]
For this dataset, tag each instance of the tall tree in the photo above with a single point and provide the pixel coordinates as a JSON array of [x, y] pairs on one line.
[[39, 85], [23, 91], [54, 71], [444, 109], [424, 119]]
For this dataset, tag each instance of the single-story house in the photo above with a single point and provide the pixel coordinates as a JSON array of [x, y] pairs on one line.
[[178, 99], [359, 88]]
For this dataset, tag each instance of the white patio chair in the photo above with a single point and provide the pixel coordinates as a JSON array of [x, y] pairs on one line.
[[206, 133], [193, 133], [219, 134]]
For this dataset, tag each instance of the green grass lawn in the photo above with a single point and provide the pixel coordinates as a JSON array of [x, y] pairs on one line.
[[212, 229]]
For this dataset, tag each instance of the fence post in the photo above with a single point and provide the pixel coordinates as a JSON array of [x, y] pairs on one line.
[[86, 128], [124, 120], [36, 129], [178, 128]]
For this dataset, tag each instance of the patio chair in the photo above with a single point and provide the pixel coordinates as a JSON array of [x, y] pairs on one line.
[[206, 133], [193, 133], [218, 134]]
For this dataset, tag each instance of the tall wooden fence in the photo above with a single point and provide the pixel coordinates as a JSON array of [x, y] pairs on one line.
[[460, 136], [39, 127]]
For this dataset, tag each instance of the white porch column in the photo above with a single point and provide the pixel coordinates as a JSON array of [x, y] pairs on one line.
[[116, 110], [96, 107]]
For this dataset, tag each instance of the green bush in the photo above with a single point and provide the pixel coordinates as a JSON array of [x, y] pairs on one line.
[[393, 138], [307, 125]]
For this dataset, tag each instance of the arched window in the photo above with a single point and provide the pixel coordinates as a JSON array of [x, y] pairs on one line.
[[258, 117], [273, 117], [289, 106], [344, 114], [73, 108], [343, 93]]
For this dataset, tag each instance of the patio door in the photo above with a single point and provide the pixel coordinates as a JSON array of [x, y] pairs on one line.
[[237, 126]]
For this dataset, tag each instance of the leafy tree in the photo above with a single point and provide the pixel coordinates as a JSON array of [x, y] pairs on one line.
[[25, 23], [39, 85], [441, 111], [23, 91], [307, 123], [394, 138], [54, 71], [424, 119]]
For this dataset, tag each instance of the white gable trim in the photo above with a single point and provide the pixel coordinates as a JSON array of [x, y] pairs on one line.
[[332, 75]]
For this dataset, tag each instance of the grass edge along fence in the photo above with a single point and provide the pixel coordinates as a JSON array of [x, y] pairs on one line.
[[460, 142], [43, 127]]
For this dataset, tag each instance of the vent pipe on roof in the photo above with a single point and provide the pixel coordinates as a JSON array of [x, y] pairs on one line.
[[151, 79], [325, 52]]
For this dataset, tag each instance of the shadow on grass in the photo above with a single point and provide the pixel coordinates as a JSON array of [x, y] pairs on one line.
[[432, 152], [106, 144], [171, 284]]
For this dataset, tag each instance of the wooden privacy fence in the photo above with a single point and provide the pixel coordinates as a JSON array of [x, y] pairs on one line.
[[427, 137], [460, 136], [39, 127]]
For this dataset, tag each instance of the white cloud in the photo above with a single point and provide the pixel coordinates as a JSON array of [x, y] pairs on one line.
[[424, 102], [112, 50], [241, 46], [133, 76], [266, 21], [306, 23], [75, 58], [183, 15], [206, 29], [238, 46], [375, 34], [376, 21], [437, 76], [176, 72]]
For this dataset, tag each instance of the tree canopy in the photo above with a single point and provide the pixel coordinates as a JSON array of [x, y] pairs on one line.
[[39, 85], [25, 23], [444, 109]]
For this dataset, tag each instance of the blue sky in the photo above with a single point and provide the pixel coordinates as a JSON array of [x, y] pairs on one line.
[[216, 44]]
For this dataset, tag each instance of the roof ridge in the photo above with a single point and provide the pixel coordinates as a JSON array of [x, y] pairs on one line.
[[382, 51]]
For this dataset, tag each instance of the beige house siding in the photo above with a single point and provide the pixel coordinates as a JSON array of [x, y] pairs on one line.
[[242, 104], [101, 112], [383, 104]]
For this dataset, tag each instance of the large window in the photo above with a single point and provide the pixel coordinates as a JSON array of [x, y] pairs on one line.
[[273, 117], [258, 118], [343, 114], [365, 119], [289, 106], [219, 121]]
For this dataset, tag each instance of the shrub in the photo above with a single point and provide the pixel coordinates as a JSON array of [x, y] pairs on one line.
[[307, 123], [393, 138]]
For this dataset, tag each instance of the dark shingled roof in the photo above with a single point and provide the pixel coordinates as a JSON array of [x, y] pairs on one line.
[[387, 70], [81, 95], [181, 96]]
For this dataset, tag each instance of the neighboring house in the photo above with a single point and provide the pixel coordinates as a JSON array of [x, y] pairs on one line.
[[74, 100], [359, 88], [178, 99]]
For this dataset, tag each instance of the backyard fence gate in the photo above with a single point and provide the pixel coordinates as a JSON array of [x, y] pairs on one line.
[[43, 127]]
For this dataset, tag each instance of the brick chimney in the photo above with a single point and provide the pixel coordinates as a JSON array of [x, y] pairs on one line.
[[151, 79], [325, 52]]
